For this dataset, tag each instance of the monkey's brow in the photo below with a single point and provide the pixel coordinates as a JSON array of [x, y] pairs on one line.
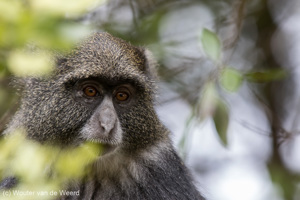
[[108, 81]]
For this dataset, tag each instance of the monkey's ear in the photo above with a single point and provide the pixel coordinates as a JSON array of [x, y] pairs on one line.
[[60, 61], [150, 65], [61, 64]]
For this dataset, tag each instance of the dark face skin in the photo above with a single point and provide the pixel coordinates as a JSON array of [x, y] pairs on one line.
[[108, 102], [120, 113]]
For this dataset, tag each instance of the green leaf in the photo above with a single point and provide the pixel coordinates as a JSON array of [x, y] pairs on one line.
[[208, 100], [22, 63], [61, 8], [211, 44], [266, 76], [231, 79], [34, 167], [221, 120], [72, 163]]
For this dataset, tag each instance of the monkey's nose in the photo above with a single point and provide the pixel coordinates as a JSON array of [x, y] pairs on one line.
[[107, 121], [106, 128]]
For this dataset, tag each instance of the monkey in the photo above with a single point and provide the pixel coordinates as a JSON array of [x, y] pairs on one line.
[[104, 92]]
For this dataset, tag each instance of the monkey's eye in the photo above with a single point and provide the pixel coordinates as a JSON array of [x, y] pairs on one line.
[[90, 91], [122, 96]]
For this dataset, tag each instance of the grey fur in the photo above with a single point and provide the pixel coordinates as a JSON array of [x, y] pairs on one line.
[[143, 164]]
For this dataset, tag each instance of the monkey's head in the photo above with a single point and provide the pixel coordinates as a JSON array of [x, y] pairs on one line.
[[102, 92]]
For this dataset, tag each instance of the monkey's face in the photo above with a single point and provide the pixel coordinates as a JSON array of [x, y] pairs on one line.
[[121, 113], [112, 81], [108, 102]]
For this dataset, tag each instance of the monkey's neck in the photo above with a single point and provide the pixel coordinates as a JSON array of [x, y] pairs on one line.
[[120, 164]]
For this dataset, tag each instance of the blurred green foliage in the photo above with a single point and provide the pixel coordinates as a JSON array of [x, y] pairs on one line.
[[43, 167], [40, 23], [266, 75], [211, 44], [231, 79]]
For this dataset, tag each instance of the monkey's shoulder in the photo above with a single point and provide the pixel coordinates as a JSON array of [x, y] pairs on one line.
[[163, 177]]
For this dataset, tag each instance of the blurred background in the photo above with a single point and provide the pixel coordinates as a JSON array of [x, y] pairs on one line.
[[228, 88]]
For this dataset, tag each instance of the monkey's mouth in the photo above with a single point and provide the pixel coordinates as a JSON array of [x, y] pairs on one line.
[[107, 149]]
